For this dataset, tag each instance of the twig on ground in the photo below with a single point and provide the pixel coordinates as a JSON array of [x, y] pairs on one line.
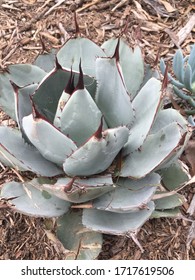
[[119, 5], [185, 31], [53, 7], [88, 6], [64, 32]]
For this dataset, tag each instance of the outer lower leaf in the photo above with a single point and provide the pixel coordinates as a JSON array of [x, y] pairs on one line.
[[23, 105], [32, 201], [111, 96], [175, 175], [51, 143], [97, 154], [80, 49], [81, 243], [178, 66], [7, 97], [80, 190], [16, 153], [131, 62], [169, 202], [169, 213], [80, 117], [145, 104], [130, 196], [156, 148], [116, 223], [25, 74]]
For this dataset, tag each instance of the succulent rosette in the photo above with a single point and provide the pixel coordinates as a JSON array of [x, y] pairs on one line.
[[91, 126]]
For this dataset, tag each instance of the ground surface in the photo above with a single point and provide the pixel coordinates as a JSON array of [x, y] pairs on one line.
[[26, 26]]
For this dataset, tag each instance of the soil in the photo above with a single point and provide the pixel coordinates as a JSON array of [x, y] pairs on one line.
[[29, 27]]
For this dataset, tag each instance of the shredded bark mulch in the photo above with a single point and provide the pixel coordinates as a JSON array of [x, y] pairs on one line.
[[29, 27]]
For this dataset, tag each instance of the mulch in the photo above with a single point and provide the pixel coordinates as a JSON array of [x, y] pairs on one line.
[[29, 27]]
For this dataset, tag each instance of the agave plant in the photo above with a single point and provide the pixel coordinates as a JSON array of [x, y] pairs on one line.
[[92, 128], [184, 71]]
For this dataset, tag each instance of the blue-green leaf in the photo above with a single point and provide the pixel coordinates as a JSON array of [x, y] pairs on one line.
[[81, 243], [16, 153], [52, 144], [27, 199], [111, 95], [79, 190], [97, 154], [116, 223]]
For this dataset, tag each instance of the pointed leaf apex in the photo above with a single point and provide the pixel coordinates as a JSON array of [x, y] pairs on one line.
[[15, 87], [77, 29], [80, 84], [166, 79], [70, 85], [68, 186], [116, 53], [98, 133], [58, 65]]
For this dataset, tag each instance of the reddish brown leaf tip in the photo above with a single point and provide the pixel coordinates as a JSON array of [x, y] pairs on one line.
[[57, 64], [70, 85], [80, 84], [125, 29], [68, 187], [98, 133], [15, 87], [77, 29], [35, 112], [166, 79], [116, 53]]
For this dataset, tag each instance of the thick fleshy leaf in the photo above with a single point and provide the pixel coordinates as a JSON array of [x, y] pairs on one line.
[[23, 105], [97, 154], [52, 144], [178, 66], [111, 96], [116, 223], [188, 77], [25, 74], [150, 96], [46, 61], [27, 199], [156, 148], [16, 153], [80, 190], [167, 116], [80, 117], [191, 59], [48, 94], [82, 243], [130, 196], [168, 202], [176, 154], [49, 91], [131, 62], [7, 97], [175, 175], [168, 213], [80, 49]]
